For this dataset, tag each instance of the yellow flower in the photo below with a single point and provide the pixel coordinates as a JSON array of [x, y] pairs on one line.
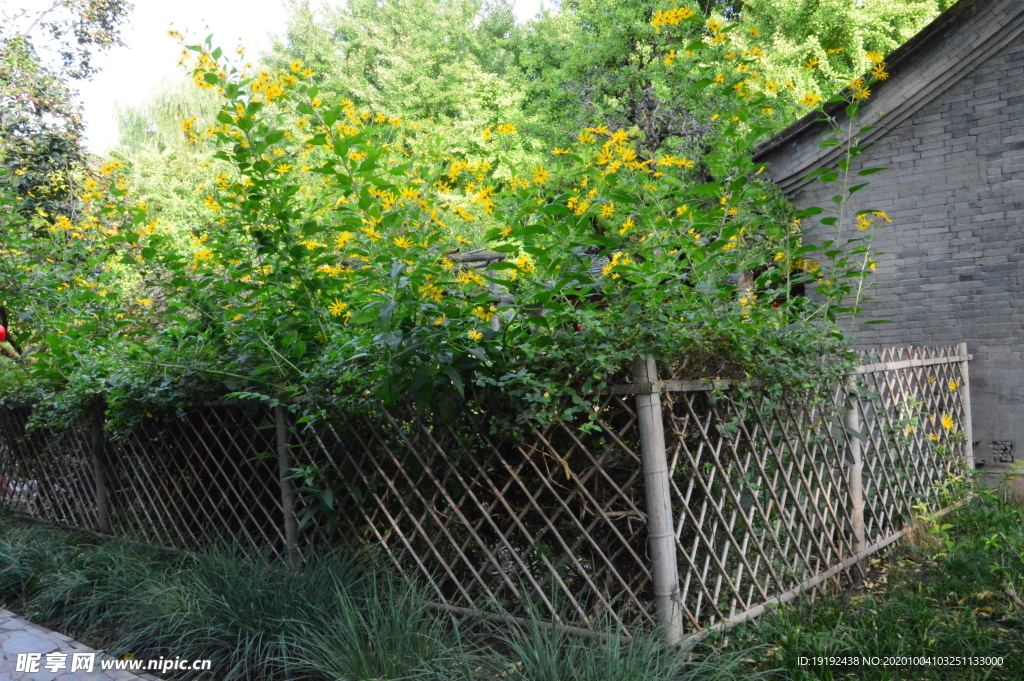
[[715, 25], [952, 384], [403, 242], [780, 256], [811, 63], [505, 129], [237, 318], [283, 168], [720, 78], [483, 313], [608, 209], [947, 422], [864, 221], [882, 215], [541, 175], [337, 308], [862, 93], [342, 239], [475, 335], [370, 232], [879, 71], [431, 292], [873, 265], [466, 277], [754, 32], [875, 57], [440, 320], [145, 302], [556, 150], [586, 137], [669, 58], [810, 99]]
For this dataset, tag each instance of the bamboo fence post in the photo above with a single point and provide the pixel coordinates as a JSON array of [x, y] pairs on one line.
[[284, 465], [965, 401], [99, 472], [660, 529], [855, 480], [495, 319]]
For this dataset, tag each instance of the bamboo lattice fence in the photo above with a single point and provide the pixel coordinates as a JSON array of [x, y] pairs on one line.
[[689, 506]]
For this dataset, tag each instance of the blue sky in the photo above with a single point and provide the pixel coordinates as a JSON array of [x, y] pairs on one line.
[[149, 55]]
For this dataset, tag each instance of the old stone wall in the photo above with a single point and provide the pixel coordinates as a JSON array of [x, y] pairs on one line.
[[951, 264]]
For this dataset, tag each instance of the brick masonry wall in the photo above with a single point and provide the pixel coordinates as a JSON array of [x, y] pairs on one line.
[[951, 268]]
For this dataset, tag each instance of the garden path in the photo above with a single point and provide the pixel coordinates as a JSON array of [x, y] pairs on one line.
[[18, 636]]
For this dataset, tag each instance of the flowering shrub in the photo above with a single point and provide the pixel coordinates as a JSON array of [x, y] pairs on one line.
[[345, 253]]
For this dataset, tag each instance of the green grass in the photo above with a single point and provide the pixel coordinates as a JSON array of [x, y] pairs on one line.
[[340, 618], [946, 593]]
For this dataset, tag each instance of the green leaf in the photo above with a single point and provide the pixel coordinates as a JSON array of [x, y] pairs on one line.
[[456, 379], [386, 311], [554, 209]]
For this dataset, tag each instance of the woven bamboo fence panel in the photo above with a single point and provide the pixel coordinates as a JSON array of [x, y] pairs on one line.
[[552, 521]]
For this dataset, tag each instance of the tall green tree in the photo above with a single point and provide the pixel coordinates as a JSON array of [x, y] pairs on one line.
[[449, 66], [819, 45], [601, 61], [42, 54]]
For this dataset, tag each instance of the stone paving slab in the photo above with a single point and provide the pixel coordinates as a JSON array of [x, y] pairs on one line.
[[19, 636]]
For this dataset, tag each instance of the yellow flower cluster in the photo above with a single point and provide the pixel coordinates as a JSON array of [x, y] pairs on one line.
[[619, 259], [673, 161], [267, 87], [483, 313], [810, 266], [670, 17], [331, 270], [810, 99], [468, 277]]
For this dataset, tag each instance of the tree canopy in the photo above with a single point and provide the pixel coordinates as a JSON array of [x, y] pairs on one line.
[[42, 53]]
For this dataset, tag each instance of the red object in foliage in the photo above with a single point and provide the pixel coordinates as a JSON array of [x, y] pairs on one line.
[[3, 334]]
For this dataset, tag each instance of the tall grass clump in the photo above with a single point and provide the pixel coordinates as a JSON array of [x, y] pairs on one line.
[[537, 653], [385, 631], [339, 618]]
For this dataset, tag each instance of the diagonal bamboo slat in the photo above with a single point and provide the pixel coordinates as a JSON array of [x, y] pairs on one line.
[[762, 493]]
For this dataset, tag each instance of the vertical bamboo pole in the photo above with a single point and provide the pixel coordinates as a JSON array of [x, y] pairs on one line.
[[965, 401], [495, 319], [855, 480], [660, 529], [99, 471], [284, 465]]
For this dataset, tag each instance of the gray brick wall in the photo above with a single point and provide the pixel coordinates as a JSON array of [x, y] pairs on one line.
[[951, 268]]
